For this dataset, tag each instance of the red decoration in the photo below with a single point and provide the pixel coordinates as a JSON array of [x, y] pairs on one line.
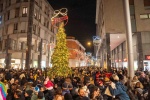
[[147, 57], [57, 20]]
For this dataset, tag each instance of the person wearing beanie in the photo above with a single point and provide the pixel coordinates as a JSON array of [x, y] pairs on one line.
[[28, 94]]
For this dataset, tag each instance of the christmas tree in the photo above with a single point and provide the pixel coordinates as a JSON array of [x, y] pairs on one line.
[[60, 57]]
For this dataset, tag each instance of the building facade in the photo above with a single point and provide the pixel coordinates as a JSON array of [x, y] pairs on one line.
[[112, 30], [78, 56], [27, 36]]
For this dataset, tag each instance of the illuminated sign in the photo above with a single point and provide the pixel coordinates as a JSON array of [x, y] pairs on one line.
[[96, 40], [147, 57]]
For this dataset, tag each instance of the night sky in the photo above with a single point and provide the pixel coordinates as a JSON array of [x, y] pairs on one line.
[[81, 23]]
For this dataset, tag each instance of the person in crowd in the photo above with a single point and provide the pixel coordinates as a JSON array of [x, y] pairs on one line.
[[58, 94], [138, 90], [40, 96], [81, 95], [86, 89], [68, 96], [49, 89], [133, 82], [67, 86], [143, 79], [117, 89], [28, 94], [95, 94], [18, 95]]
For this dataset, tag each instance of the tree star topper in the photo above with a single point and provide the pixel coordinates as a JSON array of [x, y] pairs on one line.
[[59, 16]]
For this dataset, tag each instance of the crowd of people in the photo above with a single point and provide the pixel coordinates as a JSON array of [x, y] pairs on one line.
[[91, 83]]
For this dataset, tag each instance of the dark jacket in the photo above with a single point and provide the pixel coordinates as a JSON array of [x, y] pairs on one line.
[[120, 91], [81, 98]]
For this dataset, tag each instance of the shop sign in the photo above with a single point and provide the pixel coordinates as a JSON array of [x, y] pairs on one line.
[[147, 57]]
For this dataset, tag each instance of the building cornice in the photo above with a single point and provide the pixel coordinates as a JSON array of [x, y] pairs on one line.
[[77, 43]]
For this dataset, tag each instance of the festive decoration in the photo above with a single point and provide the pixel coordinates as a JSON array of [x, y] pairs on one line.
[[60, 57], [59, 16], [3, 91]]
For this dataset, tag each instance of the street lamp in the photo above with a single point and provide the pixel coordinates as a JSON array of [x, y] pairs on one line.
[[89, 43]]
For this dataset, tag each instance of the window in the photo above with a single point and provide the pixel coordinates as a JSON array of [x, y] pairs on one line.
[[9, 2], [25, 0], [14, 46], [40, 4], [36, 14], [17, 1], [1, 7], [52, 28], [149, 15], [17, 12], [34, 27], [6, 29], [39, 31], [16, 26], [19, 45], [132, 17], [0, 19], [147, 4], [131, 2], [36, 2], [8, 14], [144, 16], [45, 10], [44, 21], [47, 24], [40, 17], [24, 12], [0, 45]]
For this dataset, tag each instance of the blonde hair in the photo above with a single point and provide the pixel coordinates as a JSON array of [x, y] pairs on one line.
[[135, 78], [115, 77], [59, 97], [140, 85]]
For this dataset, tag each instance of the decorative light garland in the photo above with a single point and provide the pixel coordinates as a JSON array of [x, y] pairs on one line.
[[56, 17]]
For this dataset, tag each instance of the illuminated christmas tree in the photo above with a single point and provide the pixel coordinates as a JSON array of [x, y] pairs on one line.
[[60, 57]]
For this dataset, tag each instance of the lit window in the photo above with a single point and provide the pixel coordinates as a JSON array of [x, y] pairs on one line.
[[17, 12], [144, 16], [39, 16], [0, 19], [25, 10], [35, 14]]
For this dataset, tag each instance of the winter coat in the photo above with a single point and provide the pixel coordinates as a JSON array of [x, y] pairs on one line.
[[119, 91]]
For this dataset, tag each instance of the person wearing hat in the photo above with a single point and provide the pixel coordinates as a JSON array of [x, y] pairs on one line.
[[28, 94]]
